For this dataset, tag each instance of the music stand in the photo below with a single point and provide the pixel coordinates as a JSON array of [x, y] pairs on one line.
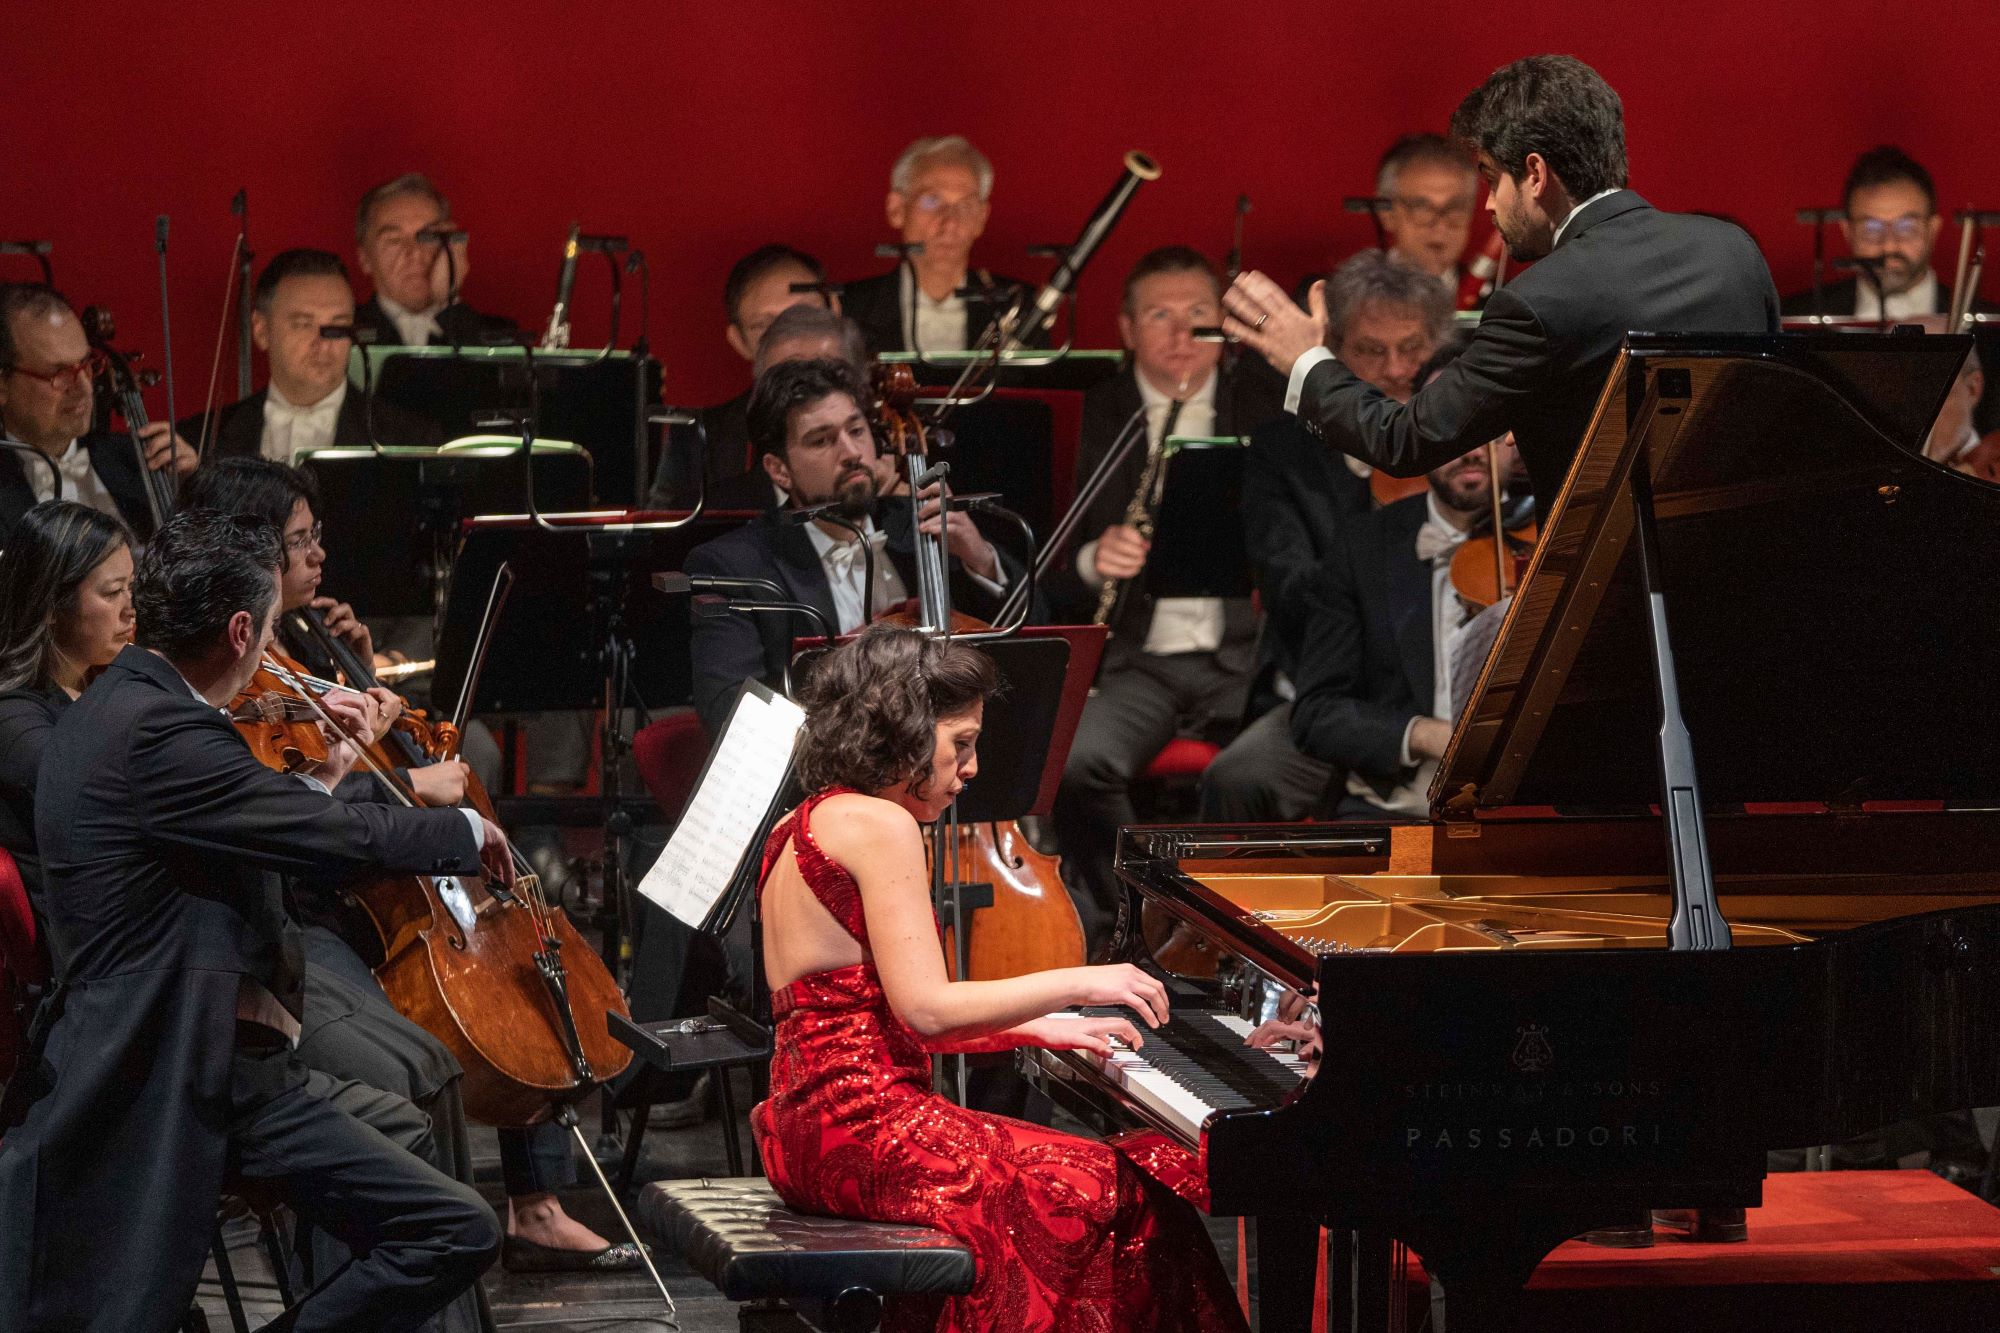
[[1200, 548], [399, 510], [586, 628]]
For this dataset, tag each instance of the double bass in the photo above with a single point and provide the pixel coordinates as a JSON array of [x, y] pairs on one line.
[[1031, 925], [497, 973]]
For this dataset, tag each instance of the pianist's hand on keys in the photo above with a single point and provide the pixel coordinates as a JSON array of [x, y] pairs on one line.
[[1075, 1032]]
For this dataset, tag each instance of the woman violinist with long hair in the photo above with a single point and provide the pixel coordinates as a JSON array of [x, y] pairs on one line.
[[1067, 1233]]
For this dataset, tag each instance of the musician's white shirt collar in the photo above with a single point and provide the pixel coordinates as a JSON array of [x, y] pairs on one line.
[[415, 327], [932, 326], [1601, 194], [1921, 298], [290, 429], [846, 572], [77, 477]]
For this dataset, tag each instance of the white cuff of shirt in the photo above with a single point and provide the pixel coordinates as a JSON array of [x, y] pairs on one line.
[[477, 824], [1408, 760], [1086, 564], [314, 783], [991, 587], [1296, 386]]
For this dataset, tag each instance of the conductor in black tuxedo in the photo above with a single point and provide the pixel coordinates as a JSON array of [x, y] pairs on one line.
[[417, 300], [940, 193], [816, 446], [46, 409], [1374, 680], [308, 402], [1549, 134], [170, 1066]]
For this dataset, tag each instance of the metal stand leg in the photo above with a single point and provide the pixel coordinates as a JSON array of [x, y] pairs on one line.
[[730, 1142], [226, 1274], [635, 1138], [566, 1115], [281, 1261]]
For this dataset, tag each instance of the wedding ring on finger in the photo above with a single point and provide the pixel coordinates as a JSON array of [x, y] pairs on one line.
[[1260, 320]]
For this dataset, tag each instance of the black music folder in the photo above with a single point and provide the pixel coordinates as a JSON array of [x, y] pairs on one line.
[[1200, 548]]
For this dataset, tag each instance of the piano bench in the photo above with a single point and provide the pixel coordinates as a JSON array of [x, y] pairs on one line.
[[831, 1271]]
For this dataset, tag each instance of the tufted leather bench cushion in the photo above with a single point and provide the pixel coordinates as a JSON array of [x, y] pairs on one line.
[[739, 1235]]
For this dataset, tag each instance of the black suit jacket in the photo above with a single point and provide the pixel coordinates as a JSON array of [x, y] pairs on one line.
[[876, 304], [157, 827], [1539, 358], [1367, 666], [1297, 496], [459, 321], [1244, 399], [27, 720], [239, 428], [114, 460], [728, 650], [731, 474]]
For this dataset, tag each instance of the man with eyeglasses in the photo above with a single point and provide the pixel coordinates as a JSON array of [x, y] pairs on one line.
[[46, 411], [938, 199], [1173, 665], [1429, 187], [307, 403], [1890, 220], [416, 300]]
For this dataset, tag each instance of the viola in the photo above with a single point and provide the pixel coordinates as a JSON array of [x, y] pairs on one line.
[[497, 973], [1032, 924]]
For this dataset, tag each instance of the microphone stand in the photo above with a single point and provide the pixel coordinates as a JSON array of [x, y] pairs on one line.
[[26, 450], [1817, 218], [240, 206], [166, 342]]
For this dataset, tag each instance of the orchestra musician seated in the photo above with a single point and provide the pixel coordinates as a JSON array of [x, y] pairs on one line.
[[1889, 218], [1431, 187], [1173, 664], [417, 298], [535, 1163], [182, 978], [758, 289], [939, 198], [1068, 1234], [46, 404], [1374, 675], [1385, 322], [808, 424], [307, 403]]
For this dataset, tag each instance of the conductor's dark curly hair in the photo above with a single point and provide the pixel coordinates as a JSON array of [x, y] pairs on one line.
[[873, 704]]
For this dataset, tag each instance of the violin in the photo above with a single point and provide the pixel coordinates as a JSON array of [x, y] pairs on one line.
[[1032, 924], [1491, 562], [497, 973]]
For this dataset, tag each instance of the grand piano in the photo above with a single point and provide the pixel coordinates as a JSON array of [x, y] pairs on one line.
[[1713, 866]]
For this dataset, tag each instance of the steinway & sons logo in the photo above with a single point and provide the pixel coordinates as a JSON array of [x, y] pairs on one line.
[[1532, 1052]]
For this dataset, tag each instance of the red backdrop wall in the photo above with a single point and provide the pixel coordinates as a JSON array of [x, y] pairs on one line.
[[702, 130]]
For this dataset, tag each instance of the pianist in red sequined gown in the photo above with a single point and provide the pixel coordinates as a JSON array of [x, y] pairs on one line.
[[1068, 1233]]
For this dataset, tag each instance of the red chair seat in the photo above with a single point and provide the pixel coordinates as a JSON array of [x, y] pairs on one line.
[[669, 755], [1183, 757]]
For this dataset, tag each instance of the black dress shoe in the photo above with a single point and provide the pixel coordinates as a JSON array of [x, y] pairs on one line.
[[1636, 1234], [518, 1255]]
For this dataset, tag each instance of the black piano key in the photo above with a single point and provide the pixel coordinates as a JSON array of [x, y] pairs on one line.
[[1199, 1053]]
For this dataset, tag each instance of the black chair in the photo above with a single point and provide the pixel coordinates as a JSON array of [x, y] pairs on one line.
[[830, 1272]]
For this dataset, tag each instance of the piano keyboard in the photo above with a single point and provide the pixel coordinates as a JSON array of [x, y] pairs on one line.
[[1194, 1065]]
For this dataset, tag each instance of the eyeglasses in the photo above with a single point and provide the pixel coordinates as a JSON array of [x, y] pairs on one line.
[[1425, 213], [938, 206], [63, 377], [298, 543], [1877, 230]]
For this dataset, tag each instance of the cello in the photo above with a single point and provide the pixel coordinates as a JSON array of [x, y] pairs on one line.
[[1031, 925], [480, 966]]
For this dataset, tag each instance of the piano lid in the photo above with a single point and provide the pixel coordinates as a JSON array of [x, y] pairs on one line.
[[1833, 598]]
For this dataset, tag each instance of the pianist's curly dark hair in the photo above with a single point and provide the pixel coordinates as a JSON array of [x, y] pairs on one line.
[[873, 704], [1556, 106]]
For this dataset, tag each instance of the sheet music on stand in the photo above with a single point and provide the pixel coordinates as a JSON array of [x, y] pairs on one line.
[[724, 821]]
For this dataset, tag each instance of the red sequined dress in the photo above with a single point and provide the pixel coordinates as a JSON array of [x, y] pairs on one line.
[[1068, 1233]]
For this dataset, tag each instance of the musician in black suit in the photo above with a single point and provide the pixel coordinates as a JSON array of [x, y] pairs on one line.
[[415, 302], [170, 1062], [736, 478], [1890, 218], [816, 445], [308, 402], [46, 406], [1172, 665], [1385, 319], [1374, 678], [939, 198], [1550, 135]]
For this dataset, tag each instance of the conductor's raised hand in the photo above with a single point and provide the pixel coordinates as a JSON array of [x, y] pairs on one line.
[[1122, 983], [1264, 318]]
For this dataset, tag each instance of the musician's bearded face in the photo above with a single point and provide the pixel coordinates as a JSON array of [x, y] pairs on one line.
[[829, 456], [1463, 484], [305, 367], [1517, 204], [954, 763], [36, 411], [1895, 223]]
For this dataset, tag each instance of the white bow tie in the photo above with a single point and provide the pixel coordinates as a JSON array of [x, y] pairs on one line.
[[1435, 541], [844, 558], [75, 463], [287, 414]]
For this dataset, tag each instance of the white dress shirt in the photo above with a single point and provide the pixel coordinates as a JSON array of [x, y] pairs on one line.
[[1180, 624], [847, 573], [1601, 194], [290, 430], [78, 478], [1412, 797], [415, 327], [932, 326], [1919, 300]]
